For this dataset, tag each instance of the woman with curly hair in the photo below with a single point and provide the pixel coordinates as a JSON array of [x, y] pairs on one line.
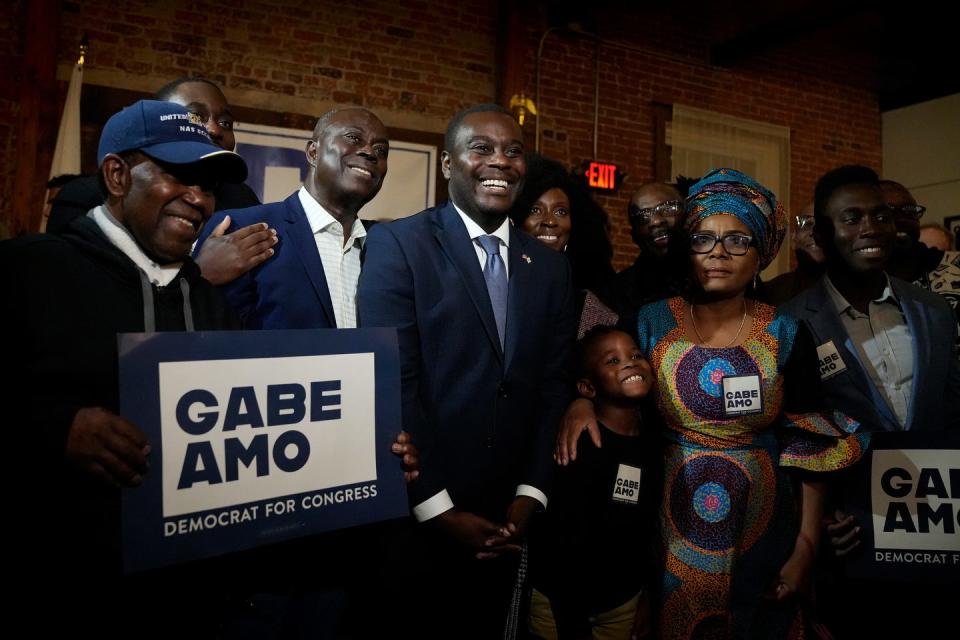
[[559, 212]]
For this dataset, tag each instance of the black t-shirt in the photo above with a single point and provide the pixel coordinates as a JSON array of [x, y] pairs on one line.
[[593, 548]]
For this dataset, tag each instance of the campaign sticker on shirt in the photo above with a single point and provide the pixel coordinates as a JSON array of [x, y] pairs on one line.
[[742, 396], [830, 361], [627, 487]]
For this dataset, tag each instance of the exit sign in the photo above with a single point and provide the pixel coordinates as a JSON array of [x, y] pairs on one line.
[[602, 176]]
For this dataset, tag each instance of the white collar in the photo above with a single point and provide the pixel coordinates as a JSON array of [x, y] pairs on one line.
[[117, 234], [475, 231], [845, 307], [319, 218]]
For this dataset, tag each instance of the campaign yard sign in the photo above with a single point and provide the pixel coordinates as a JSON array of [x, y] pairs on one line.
[[258, 437], [906, 497]]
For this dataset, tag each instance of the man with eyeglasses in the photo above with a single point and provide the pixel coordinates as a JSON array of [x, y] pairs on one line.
[[931, 269], [891, 346], [810, 262], [654, 212], [229, 254]]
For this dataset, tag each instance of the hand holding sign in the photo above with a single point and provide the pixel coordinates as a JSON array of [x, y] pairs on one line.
[[409, 456], [843, 533], [107, 446]]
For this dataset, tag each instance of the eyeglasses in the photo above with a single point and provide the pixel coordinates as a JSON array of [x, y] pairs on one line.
[[736, 244], [668, 209], [804, 221], [911, 211]]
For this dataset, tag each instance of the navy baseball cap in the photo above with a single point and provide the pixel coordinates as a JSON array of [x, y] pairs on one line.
[[169, 133]]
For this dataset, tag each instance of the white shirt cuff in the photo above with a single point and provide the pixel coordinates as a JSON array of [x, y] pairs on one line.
[[532, 492], [432, 507]]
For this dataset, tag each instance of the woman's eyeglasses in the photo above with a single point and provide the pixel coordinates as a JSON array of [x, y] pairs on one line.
[[736, 244]]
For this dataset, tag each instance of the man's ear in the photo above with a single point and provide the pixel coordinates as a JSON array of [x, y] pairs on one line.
[[445, 164], [311, 152], [823, 231], [116, 175], [586, 389]]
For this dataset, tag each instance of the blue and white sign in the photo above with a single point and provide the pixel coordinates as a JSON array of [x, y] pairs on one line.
[[905, 495], [257, 437]]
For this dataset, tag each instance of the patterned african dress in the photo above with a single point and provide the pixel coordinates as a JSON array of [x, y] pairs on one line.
[[729, 516]]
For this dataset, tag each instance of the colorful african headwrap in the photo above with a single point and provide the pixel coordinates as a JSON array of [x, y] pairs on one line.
[[730, 192]]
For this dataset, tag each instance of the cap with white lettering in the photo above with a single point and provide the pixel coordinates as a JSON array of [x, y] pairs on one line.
[[169, 133]]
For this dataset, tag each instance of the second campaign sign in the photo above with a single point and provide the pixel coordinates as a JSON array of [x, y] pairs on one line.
[[906, 497], [257, 437]]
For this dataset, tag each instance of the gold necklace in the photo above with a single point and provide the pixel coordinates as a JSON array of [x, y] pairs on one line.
[[693, 320]]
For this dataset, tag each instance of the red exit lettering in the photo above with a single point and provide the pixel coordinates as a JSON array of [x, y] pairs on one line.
[[601, 175]]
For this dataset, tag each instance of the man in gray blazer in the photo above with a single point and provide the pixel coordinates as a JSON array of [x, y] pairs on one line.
[[888, 359], [886, 347]]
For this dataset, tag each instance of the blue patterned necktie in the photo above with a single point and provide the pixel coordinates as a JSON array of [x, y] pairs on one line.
[[495, 274]]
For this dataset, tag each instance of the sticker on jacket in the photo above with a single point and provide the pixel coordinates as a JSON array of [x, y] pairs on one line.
[[830, 361]]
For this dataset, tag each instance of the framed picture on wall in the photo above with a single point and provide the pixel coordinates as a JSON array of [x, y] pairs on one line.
[[953, 223]]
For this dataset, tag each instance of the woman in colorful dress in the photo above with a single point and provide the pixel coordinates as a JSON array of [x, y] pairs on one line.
[[745, 438]]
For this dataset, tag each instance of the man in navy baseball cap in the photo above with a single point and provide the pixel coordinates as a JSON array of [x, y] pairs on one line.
[[123, 267], [158, 171]]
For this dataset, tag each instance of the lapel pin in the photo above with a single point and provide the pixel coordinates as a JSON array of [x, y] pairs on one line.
[[526, 258]]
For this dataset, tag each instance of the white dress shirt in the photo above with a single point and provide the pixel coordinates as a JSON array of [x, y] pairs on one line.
[[884, 344], [341, 261], [441, 502], [475, 231]]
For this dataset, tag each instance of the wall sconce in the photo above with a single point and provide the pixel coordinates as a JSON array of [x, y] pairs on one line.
[[521, 105]]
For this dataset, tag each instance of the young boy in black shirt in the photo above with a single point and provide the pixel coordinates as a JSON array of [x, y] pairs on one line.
[[591, 555]]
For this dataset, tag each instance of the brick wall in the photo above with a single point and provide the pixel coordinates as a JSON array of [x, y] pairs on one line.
[[416, 63], [12, 15], [805, 85]]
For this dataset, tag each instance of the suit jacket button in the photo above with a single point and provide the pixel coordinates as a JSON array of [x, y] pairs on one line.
[[502, 390], [489, 442]]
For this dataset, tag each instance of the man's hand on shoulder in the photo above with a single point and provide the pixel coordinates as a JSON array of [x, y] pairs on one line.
[[107, 446], [579, 417], [224, 257]]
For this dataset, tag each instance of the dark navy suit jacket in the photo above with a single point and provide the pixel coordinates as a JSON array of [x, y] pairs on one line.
[[483, 417], [935, 399], [289, 290]]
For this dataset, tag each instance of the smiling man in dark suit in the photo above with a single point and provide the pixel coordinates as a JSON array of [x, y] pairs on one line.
[[298, 589], [485, 324], [311, 280]]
